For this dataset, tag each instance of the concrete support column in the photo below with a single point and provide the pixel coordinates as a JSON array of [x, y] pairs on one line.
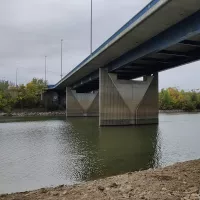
[[127, 102], [81, 104], [148, 109]]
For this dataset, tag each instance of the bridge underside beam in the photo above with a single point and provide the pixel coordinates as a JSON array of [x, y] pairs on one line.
[[127, 102], [89, 83], [182, 31], [190, 43]]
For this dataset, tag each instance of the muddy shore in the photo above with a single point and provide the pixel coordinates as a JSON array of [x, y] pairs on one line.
[[180, 181]]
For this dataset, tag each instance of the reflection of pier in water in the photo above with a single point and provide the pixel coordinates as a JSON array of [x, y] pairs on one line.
[[113, 150]]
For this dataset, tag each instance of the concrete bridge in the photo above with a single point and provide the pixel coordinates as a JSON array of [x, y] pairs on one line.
[[163, 35]]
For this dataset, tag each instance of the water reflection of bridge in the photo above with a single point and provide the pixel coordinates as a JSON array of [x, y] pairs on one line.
[[112, 150]]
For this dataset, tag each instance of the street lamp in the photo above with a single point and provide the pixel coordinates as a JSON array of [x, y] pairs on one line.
[[45, 68], [61, 57], [16, 77], [91, 29]]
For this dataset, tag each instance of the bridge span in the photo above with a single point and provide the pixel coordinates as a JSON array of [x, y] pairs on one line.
[[163, 35]]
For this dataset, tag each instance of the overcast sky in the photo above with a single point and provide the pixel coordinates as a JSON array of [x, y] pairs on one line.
[[31, 29]]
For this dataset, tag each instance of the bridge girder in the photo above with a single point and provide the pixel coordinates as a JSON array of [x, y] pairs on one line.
[[127, 66]]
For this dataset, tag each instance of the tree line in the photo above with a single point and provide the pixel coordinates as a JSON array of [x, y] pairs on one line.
[[29, 96], [22, 96], [174, 99]]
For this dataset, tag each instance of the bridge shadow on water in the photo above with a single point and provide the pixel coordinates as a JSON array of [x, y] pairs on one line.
[[109, 151]]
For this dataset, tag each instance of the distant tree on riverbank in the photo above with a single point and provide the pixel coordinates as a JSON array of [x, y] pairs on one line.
[[6, 100], [173, 99], [22, 96], [29, 95]]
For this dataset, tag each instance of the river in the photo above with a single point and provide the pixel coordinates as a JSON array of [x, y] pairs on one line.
[[48, 151]]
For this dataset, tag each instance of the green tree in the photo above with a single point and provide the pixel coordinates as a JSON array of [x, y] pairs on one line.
[[30, 94], [23, 96], [4, 85], [172, 98], [6, 100], [165, 100]]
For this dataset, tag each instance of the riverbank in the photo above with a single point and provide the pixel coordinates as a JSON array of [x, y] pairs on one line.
[[178, 111], [63, 113], [180, 181], [32, 114]]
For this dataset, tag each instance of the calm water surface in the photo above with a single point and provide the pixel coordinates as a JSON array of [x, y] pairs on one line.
[[39, 152]]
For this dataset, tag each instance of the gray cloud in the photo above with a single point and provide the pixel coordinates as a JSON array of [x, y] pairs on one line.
[[31, 29]]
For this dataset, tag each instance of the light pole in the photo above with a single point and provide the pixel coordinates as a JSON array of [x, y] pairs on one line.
[[45, 68], [16, 77], [91, 29], [61, 57]]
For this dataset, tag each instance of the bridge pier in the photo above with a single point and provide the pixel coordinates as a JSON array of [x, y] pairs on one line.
[[118, 102], [127, 102], [81, 104]]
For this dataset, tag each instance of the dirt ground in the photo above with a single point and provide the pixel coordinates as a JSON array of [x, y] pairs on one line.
[[177, 182]]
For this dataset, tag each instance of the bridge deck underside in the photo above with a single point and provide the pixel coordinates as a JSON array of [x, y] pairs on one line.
[[163, 35], [181, 53]]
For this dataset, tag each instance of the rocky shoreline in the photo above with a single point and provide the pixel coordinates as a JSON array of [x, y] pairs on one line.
[[180, 181], [63, 113], [24, 114]]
